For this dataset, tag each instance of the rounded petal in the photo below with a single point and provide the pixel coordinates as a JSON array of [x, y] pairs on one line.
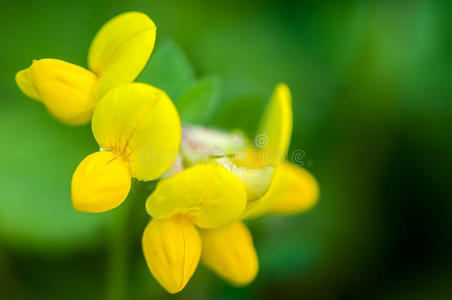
[[139, 122], [100, 183], [121, 49], [301, 193], [293, 190], [25, 84], [209, 195], [172, 248], [66, 90], [275, 128], [229, 251]]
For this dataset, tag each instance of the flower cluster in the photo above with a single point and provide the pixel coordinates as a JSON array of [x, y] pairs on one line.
[[209, 181]]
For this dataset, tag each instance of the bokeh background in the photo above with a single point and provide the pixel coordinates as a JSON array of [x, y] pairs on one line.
[[372, 98]]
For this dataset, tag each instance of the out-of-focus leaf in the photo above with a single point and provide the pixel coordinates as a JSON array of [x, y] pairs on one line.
[[38, 158], [168, 69], [198, 103]]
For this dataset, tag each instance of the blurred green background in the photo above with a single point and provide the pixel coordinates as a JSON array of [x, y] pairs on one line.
[[372, 99]]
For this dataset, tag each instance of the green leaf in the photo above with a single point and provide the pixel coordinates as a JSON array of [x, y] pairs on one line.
[[169, 70], [199, 102]]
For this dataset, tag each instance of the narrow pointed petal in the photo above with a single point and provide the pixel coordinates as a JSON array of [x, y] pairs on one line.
[[66, 90], [301, 192], [229, 252], [100, 183], [25, 84], [275, 128], [209, 195], [172, 249], [140, 123], [121, 49]]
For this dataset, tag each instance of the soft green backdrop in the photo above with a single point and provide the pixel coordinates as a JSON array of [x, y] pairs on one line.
[[372, 98]]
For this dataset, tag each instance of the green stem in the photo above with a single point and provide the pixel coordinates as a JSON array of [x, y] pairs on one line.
[[117, 276], [130, 217]]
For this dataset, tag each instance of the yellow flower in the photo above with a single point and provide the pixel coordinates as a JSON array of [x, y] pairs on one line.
[[292, 189], [138, 129], [117, 55], [206, 195], [280, 188], [218, 189], [222, 185], [274, 186], [262, 167]]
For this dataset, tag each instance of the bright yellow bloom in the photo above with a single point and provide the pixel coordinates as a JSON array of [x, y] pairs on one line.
[[117, 55], [292, 189], [223, 185], [206, 195], [138, 129], [283, 189], [261, 167]]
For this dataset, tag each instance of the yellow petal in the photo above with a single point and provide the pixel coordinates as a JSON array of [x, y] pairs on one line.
[[229, 251], [301, 192], [101, 182], [263, 204], [121, 49], [256, 180], [66, 90], [209, 195], [172, 248], [275, 128], [293, 190], [139, 122], [25, 84]]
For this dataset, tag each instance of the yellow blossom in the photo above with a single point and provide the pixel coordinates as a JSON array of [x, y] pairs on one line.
[[138, 129], [223, 185], [206, 195], [292, 189], [117, 55]]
